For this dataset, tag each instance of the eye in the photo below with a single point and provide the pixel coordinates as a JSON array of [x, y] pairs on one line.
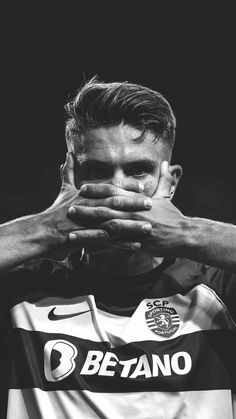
[[97, 173], [137, 171]]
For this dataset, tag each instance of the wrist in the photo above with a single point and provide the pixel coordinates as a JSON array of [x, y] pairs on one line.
[[30, 231], [51, 233], [200, 235], [22, 239], [190, 236]]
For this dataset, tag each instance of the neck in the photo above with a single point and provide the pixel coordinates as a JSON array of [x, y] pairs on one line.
[[122, 263]]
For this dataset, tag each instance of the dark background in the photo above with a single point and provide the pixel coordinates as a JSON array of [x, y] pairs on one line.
[[185, 50]]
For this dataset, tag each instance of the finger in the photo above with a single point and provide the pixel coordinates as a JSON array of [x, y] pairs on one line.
[[85, 236], [165, 182], [67, 170], [93, 249], [93, 215], [126, 245], [117, 227], [103, 190], [137, 203], [128, 184]]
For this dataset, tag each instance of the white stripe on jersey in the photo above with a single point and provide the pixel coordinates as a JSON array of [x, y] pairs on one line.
[[34, 317], [198, 310], [73, 404]]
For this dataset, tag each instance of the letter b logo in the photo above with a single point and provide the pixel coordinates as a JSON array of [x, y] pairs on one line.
[[59, 356]]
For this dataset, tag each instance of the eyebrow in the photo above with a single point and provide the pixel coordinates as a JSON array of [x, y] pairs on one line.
[[133, 161]]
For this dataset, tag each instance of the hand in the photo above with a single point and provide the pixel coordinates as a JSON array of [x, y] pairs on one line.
[[166, 237], [62, 225], [55, 217], [163, 222], [166, 233], [119, 194]]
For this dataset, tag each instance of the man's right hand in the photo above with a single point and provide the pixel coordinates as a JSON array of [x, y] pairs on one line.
[[59, 225], [46, 234]]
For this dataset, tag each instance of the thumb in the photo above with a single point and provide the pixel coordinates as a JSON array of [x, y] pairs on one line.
[[165, 182], [67, 171]]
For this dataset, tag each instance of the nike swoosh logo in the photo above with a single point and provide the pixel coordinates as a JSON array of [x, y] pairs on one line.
[[54, 316]]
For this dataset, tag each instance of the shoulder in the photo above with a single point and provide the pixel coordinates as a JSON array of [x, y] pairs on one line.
[[189, 273], [26, 278]]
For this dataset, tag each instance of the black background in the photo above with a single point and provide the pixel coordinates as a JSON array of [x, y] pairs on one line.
[[185, 50]]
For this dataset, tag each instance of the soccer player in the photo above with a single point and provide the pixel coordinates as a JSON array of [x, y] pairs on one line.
[[114, 304]]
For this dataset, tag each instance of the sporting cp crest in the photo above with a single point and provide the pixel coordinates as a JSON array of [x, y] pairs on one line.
[[164, 321]]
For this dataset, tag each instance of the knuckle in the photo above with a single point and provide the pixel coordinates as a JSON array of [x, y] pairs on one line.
[[104, 235], [85, 203], [99, 234], [117, 202], [102, 212], [134, 246], [139, 202], [134, 216], [117, 182], [81, 210], [112, 225], [113, 190], [99, 212]]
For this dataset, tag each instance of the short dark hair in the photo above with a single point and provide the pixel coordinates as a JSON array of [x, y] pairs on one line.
[[99, 104]]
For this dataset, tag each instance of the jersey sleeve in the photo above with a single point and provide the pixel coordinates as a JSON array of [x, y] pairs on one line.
[[23, 280], [189, 273], [223, 283]]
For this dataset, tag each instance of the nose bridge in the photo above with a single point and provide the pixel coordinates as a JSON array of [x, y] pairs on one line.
[[119, 173]]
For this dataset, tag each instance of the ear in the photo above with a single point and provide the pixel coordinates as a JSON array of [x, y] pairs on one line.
[[176, 172]]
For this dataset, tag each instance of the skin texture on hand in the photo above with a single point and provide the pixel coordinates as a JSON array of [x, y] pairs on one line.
[[62, 222], [165, 237], [56, 219], [161, 232]]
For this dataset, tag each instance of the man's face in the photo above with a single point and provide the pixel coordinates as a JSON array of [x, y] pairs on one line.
[[112, 152]]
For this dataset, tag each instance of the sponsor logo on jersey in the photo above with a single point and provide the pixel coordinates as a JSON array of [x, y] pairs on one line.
[[61, 359], [64, 353], [163, 321], [180, 363]]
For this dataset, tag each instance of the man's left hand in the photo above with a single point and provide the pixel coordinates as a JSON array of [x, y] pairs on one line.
[[165, 235]]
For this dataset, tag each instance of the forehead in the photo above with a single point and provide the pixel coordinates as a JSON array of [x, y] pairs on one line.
[[118, 143]]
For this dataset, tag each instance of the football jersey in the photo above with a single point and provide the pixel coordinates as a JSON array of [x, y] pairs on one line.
[[78, 345]]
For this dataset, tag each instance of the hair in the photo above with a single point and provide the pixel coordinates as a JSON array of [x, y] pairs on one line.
[[98, 104]]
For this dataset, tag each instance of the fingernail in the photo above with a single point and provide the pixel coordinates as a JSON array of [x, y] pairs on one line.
[[72, 210], [141, 187], [146, 227], [72, 236], [83, 188], [148, 203]]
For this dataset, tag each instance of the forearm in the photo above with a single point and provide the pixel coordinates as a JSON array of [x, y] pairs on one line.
[[21, 240], [210, 242]]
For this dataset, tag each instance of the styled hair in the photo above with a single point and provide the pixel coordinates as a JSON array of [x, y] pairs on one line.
[[98, 104]]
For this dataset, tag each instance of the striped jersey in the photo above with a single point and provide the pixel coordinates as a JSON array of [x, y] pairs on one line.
[[77, 345]]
